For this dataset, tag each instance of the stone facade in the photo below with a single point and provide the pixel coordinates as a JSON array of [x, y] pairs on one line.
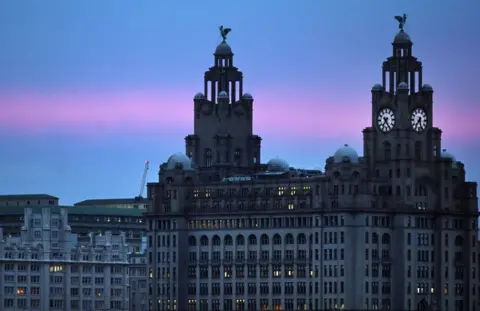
[[395, 228], [47, 269]]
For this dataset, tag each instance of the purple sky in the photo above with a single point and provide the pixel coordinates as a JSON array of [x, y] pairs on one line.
[[89, 90]]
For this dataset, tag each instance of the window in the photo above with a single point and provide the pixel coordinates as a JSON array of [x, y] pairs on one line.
[[208, 157], [418, 151], [237, 157], [387, 150]]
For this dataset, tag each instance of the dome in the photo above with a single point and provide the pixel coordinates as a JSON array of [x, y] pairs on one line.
[[199, 95], [345, 154], [402, 86], [223, 49], [179, 161], [402, 36], [278, 164], [427, 87], [223, 94], [247, 96], [377, 87], [447, 155]]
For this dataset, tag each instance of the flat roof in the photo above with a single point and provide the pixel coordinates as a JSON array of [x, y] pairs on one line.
[[114, 201], [77, 210], [6, 197]]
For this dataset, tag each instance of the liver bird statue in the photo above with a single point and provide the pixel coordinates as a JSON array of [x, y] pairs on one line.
[[401, 21], [224, 32]]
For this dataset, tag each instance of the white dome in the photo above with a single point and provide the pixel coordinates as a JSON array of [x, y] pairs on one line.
[[377, 87], [223, 94], [402, 86], [345, 154], [247, 96], [447, 155], [277, 165], [179, 161], [427, 87], [199, 95]]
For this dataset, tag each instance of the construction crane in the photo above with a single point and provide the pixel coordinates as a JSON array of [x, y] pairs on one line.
[[144, 179]]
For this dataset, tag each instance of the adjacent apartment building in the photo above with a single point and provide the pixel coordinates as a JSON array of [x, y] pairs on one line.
[[46, 268], [392, 229], [139, 282]]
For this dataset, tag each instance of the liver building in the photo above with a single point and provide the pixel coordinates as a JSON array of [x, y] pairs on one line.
[[394, 229]]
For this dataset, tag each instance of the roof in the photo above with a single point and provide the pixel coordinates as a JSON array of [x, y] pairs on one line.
[[111, 201], [78, 210], [26, 197]]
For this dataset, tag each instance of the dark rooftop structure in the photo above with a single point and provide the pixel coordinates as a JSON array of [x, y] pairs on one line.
[[137, 202], [28, 200]]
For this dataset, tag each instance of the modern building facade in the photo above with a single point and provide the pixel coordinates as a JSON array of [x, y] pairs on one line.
[[45, 269], [395, 228]]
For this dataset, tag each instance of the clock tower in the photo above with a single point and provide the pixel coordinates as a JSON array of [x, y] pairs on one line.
[[401, 138], [223, 143]]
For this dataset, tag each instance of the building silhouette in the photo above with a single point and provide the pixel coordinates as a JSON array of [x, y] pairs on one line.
[[395, 228]]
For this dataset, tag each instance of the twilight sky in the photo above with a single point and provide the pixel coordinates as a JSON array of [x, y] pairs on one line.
[[91, 89]]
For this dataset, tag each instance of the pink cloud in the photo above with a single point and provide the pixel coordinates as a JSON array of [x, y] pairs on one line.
[[172, 111]]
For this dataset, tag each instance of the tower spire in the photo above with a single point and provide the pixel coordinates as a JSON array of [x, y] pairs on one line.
[[402, 66]]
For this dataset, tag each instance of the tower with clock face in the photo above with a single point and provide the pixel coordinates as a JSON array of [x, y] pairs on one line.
[[402, 109]]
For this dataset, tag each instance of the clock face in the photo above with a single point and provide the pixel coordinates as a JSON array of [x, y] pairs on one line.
[[419, 120], [386, 120]]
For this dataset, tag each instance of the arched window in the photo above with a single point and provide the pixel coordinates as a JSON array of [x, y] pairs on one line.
[[192, 241], [204, 240], [240, 240], [289, 239], [227, 240], [208, 157], [301, 239], [216, 240], [277, 240], [385, 238], [264, 240]]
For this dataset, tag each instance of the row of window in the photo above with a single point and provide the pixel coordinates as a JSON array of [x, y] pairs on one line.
[[276, 288], [274, 304], [257, 191]]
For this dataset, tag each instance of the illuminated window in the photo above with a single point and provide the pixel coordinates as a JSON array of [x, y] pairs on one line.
[[56, 268], [290, 206], [289, 271], [208, 193], [277, 271], [20, 291], [281, 190], [293, 191], [196, 192], [227, 272]]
